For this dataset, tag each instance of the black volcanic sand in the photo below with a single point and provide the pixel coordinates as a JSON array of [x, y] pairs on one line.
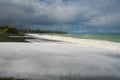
[[5, 37]]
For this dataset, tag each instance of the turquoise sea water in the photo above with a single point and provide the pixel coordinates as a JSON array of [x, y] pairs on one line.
[[107, 37]]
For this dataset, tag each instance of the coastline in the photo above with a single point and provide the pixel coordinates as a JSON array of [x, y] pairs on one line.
[[66, 59], [84, 42]]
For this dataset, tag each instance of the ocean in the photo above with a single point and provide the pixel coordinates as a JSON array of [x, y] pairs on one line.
[[91, 40], [105, 37]]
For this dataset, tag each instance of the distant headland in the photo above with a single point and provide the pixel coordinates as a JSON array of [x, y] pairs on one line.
[[13, 29]]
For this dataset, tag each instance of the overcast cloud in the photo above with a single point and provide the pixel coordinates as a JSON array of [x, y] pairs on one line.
[[61, 14]]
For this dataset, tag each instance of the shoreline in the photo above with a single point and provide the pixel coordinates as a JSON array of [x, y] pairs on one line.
[[84, 42], [56, 60]]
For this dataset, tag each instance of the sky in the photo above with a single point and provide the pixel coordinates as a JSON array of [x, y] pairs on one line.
[[74, 16]]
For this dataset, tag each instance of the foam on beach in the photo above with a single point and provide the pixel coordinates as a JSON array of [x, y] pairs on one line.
[[87, 42], [34, 60], [37, 60]]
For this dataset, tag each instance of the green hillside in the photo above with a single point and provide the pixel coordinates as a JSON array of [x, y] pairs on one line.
[[8, 29]]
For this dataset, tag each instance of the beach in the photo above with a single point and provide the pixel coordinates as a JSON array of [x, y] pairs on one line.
[[56, 56]]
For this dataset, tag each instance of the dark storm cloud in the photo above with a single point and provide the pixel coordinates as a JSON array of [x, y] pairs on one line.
[[93, 13]]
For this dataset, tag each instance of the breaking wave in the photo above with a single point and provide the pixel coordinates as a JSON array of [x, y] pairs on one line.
[[87, 42]]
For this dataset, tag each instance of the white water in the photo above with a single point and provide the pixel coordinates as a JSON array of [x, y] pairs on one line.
[[87, 42], [30, 60]]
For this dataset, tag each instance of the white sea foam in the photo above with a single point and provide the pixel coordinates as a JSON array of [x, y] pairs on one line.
[[87, 42], [29, 59], [33, 59], [41, 58]]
